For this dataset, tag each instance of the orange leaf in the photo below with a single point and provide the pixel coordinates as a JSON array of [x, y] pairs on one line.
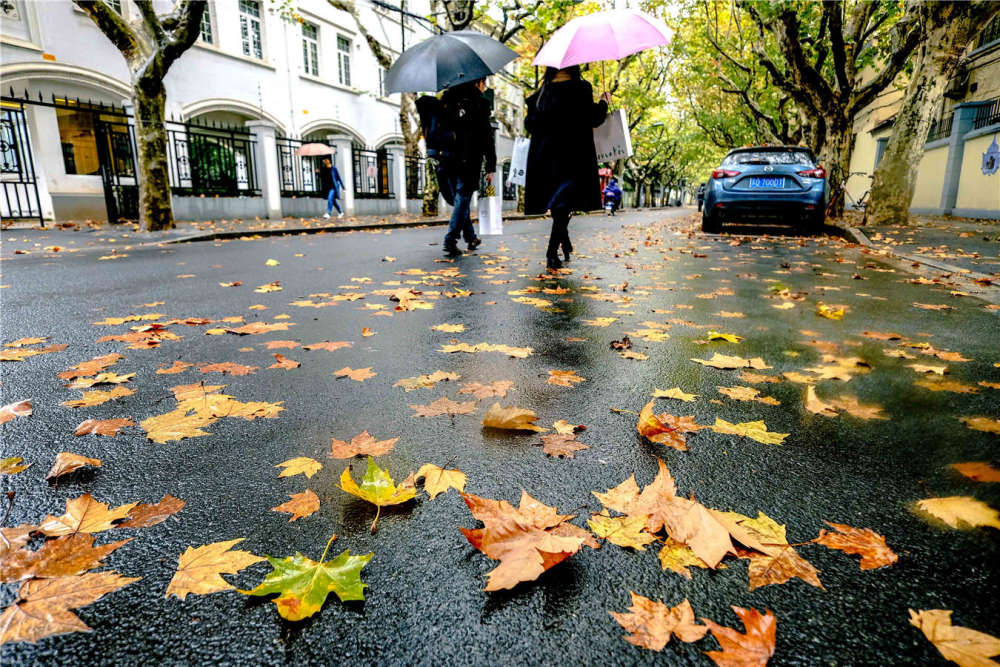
[[281, 361], [62, 557], [978, 471], [864, 542], [19, 409], [300, 506], [356, 374], [652, 623], [228, 368], [145, 515], [67, 462], [109, 427], [363, 444], [84, 515], [744, 650]]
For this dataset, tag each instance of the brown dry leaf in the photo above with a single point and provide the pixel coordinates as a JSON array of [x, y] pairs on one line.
[[947, 385], [67, 462], [961, 511], [564, 378], [281, 361], [300, 506], [511, 419], [741, 393], [652, 623], [444, 406], [24, 353], [675, 393], [255, 328], [281, 344], [752, 649], [625, 531], [786, 564], [302, 465], [982, 424], [439, 480], [426, 381], [199, 569], [100, 378], [19, 409], [632, 354], [527, 540], [850, 405], [863, 542], [816, 406], [84, 515], [108, 427], [62, 557], [177, 367], [363, 444], [92, 367], [498, 389], [727, 362], [43, 605], [328, 345], [561, 445], [228, 368], [356, 374], [881, 335], [979, 471], [657, 429], [97, 397], [145, 515], [963, 646]]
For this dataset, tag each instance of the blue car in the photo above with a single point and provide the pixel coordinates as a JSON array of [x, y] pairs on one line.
[[775, 182]]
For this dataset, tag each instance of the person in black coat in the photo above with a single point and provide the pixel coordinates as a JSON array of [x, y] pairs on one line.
[[562, 176], [330, 183]]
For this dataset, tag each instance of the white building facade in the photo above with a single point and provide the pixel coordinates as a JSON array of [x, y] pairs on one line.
[[251, 90]]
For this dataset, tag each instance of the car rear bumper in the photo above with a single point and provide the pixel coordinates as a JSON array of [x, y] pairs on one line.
[[741, 204]]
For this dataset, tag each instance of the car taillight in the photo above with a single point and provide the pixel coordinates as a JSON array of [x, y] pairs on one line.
[[724, 173], [818, 172]]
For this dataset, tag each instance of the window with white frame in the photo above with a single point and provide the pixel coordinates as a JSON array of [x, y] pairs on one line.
[[310, 49], [115, 5], [343, 60], [205, 31], [382, 91], [250, 29]]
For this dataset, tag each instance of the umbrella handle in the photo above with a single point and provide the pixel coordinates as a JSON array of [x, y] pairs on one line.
[[604, 85]]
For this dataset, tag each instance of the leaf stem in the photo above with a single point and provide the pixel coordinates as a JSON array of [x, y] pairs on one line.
[[323, 557], [377, 513]]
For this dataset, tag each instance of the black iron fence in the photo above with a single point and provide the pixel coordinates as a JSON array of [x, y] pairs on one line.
[[416, 176], [372, 173], [211, 160], [987, 114], [298, 173], [17, 167], [941, 128]]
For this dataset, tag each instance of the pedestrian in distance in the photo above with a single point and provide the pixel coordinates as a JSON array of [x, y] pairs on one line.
[[459, 136], [562, 175], [330, 182], [612, 196], [701, 196]]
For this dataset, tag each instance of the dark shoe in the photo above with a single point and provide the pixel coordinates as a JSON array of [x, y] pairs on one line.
[[553, 262], [475, 244], [452, 251], [566, 255]]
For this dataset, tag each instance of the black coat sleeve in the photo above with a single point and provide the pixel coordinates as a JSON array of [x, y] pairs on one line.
[[489, 140], [595, 112]]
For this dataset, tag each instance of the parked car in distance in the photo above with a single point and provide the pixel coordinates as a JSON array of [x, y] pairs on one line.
[[782, 183]]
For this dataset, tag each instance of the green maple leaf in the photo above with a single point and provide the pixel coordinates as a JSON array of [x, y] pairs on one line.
[[302, 584], [378, 488]]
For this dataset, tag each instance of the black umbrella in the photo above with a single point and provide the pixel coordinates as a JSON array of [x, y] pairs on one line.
[[447, 60]]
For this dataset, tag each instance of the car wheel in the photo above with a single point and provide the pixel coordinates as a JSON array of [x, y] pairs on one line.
[[710, 224]]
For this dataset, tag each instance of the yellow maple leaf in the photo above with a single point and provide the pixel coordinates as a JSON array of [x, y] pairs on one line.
[[730, 338], [511, 419], [199, 569], [755, 430], [676, 393], [439, 480], [300, 465], [961, 511], [84, 515], [300, 505], [625, 531], [378, 488], [960, 645]]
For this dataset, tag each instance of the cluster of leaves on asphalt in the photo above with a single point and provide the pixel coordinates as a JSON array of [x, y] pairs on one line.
[[56, 561]]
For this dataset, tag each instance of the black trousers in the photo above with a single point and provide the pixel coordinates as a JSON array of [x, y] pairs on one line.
[[560, 233]]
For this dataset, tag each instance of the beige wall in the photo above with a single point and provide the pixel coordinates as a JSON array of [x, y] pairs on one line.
[[863, 160], [930, 178], [975, 189]]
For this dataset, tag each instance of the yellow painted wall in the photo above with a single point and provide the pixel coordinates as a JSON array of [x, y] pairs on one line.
[[863, 160], [930, 178], [975, 189]]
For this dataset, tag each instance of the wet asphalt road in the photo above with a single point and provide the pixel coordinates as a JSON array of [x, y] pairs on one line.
[[425, 600]]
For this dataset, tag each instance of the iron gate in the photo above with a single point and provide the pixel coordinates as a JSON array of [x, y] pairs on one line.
[[116, 153], [17, 167]]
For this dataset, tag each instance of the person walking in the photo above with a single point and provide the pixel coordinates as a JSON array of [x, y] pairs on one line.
[[701, 196], [562, 174], [330, 182], [460, 171]]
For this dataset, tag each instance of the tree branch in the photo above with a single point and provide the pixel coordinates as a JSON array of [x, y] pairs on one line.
[[907, 34], [835, 19], [151, 20], [186, 22], [113, 26]]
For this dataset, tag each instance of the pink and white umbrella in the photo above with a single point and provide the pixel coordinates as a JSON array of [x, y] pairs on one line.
[[314, 150], [609, 35]]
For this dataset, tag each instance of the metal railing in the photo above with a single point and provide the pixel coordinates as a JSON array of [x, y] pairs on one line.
[[211, 160], [297, 174], [17, 166], [987, 114], [416, 176], [990, 33], [372, 173], [941, 128]]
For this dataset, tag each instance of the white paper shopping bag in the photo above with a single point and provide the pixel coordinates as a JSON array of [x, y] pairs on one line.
[[490, 216], [519, 161], [612, 139]]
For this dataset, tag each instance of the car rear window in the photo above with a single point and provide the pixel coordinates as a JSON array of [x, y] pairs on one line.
[[785, 156]]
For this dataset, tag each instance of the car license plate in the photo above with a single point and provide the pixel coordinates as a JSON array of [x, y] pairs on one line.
[[767, 182]]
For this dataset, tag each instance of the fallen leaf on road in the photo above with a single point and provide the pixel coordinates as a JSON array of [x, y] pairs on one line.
[[678, 557], [356, 374], [753, 648], [564, 378], [923, 368], [850, 405], [281, 361], [200, 569], [964, 646], [498, 389], [979, 471], [328, 345], [363, 444], [177, 367], [301, 465], [300, 506], [425, 381], [625, 531], [676, 393], [729, 338], [62, 557], [655, 428], [84, 515], [378, 488], [565, 428], [755, 430], [281, 344], [444, 406], [947, 385], [449, 328], [67, 462], [439, 480], [561, 445], [228, 368], [100, 378], [511, 419], [982, 424], [747, 394], [19, 409], [92, 367], [727, 362], [650, 623], [145, 515], [816, 406], [108, 427], [961, 511], [863, 542], [12, 465], [830, 312]]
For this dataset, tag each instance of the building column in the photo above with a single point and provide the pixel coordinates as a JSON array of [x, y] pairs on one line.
[[265, 157], [37, 118], [965, 114], [345, 165], [399, 167]]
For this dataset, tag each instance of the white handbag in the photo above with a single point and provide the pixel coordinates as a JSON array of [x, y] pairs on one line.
[[612, 139], [519, 161], [490, 213]]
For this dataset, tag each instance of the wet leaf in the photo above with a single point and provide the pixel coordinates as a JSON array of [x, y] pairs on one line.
[[779, 567], [863, 542], [963, 646], [62, 557], [982, 424], [363, 444], [84, 515], [281, 344], [676, 393], [302, 584], [511, 419], [753, 648], [651, 624], [328, 346], [439, 480], [729, 338], [19, 409], [747, 394], [561, 445], [145, 515], [625, 531], [300, 466], [755, 430], [378, 488], [565, 428], [830, 312], [300, 506], [97, 397], [850, 405], [979, 471], [426, 381], [228, 368], [356, 374], [656, 428], [67, 462], [108, 427], [92, 367], [818, 407], [43, 607], [727, 362], [13, 465], [678, 557], [281, 361], [481, 391], [100, 378], [444, 406], [564, 378], [961, 511], [200, 569], [449, 328], [947, 385]]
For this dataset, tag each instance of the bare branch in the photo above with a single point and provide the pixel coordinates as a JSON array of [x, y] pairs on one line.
[[113, 26]]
